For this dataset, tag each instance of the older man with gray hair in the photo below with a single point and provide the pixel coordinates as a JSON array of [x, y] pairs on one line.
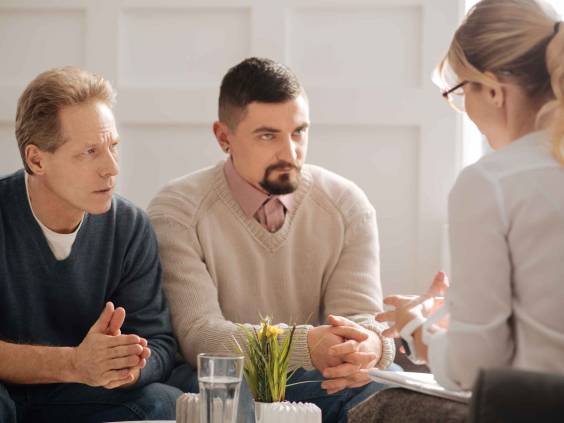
[[85, 333]]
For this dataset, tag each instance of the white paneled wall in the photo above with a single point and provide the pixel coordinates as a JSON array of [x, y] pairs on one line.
[[9, 154], [188, 46], [176, 149], [37, 39], [366, 66], [390, 51], [373, 156]]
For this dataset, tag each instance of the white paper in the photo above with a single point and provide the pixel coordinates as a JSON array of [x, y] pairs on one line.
[[424, 383]]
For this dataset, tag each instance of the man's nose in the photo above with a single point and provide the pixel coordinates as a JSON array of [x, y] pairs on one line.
[[289, 151], [110, 165]]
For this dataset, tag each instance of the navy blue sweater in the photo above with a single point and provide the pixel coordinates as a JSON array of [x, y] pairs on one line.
[[114, 258]]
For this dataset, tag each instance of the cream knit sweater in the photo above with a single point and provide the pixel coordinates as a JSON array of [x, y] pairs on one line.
[[221, 267]]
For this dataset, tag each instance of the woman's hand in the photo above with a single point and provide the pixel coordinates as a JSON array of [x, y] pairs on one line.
[[407, 307]]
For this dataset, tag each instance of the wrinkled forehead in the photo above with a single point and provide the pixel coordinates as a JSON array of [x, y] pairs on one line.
[[88, 119]]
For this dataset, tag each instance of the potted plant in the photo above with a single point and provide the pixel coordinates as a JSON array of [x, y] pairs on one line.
[[267, 355]]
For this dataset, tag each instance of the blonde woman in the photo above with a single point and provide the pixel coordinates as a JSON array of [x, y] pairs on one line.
[[506, 212]]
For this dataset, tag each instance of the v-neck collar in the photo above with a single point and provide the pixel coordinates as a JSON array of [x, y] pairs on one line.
[[36, 231], [249, 198], [269, 240]]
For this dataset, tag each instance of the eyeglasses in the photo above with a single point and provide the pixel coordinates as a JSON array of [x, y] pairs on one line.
[[455, 96]]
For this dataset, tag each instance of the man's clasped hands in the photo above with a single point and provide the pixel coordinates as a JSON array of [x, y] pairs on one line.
[[106, 357], [344, 350]]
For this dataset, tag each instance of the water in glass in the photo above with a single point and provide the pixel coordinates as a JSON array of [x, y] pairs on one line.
[[219, 377]]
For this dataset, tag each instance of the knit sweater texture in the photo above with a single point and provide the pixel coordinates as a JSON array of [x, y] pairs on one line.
[[45, 301], [222, 267]]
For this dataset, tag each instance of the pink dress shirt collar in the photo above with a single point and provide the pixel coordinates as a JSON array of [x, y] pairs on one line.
[[249, 198]]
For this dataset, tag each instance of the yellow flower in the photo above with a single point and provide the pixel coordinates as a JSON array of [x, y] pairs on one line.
[[267, 357], [273, 331]]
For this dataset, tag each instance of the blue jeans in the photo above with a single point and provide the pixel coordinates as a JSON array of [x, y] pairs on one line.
[[334, 408], [81, 403]]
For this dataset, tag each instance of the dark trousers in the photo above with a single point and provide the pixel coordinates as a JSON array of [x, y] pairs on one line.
[[81, 403]]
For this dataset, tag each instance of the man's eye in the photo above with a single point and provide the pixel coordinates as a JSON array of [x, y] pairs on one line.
[[90, 151], [267, 137]]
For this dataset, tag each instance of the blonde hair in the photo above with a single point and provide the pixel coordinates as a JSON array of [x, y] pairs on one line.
[[37, 115], [519, 39]]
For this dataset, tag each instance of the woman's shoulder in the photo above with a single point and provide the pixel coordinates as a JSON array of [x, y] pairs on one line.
[[527, 154]]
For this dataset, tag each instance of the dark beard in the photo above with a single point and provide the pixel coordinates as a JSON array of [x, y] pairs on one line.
[[283, 185]]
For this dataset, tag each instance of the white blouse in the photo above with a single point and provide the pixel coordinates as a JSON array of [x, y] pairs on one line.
[[506, 300]]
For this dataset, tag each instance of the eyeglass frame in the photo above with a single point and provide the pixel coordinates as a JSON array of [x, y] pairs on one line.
[[446, 93]]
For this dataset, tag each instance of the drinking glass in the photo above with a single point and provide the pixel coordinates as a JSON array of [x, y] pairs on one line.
[[219, 377]]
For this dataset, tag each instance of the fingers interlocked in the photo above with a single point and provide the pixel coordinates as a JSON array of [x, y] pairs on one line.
[[359, 351]]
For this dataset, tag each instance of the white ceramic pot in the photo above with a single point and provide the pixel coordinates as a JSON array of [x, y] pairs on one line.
[[284, 412], [188, 408]]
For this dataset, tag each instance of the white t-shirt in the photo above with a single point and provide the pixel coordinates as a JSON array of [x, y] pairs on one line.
[[506, 224], [60, 244]]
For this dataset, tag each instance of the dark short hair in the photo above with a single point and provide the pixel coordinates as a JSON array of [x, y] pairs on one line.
[[255, 79]]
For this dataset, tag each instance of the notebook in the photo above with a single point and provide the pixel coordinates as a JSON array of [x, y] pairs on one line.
[[424, 383]]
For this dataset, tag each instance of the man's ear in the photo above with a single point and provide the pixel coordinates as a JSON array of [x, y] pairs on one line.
[[35, 159], [221, 132], [495, 92]]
